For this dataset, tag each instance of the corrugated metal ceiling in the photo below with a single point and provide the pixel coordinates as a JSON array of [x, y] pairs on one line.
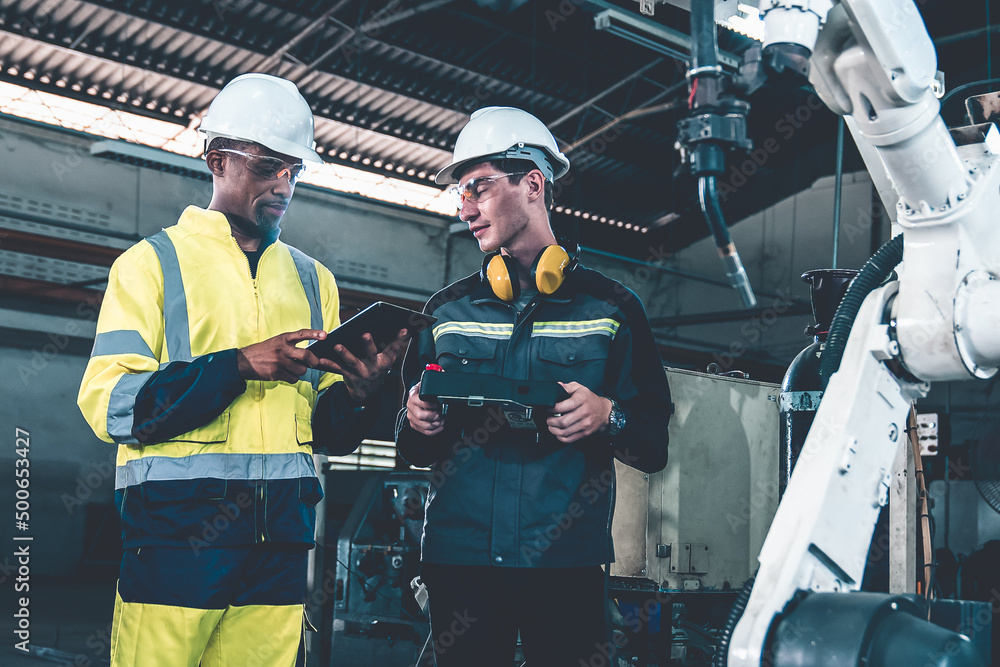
[[394, 82]]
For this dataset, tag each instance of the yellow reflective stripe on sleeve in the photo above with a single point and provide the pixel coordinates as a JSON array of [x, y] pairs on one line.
[[605, 325], [480, 329]]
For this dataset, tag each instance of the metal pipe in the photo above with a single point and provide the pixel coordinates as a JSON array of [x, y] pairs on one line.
[[717, 317], [581, 107], [735, 272], [704, 39], [635, 113], [838, 189]]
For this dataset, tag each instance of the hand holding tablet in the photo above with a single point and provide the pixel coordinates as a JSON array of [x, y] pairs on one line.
[[382, 320]]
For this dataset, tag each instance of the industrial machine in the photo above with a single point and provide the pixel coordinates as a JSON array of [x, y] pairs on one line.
[[686, 538], [699, 524], [376, 618], [873, 62]]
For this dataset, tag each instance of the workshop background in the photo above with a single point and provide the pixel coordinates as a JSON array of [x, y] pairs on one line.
[[99, 105]]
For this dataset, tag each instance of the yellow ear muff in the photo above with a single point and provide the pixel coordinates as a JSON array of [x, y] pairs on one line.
[[501, 274], [549, 268]]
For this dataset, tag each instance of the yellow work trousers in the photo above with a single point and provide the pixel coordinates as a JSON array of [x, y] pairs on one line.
[[222, 607], [153, 635]]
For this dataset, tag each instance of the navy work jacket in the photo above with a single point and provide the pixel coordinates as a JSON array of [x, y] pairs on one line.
[[520, 498]]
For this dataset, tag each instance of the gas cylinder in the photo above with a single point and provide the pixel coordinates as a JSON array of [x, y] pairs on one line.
[[802, 387]]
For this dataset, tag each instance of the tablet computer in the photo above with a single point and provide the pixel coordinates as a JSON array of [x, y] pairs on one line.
[[382, 320]]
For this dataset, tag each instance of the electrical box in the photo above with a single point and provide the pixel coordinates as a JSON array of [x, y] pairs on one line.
[[927, 433], [700, 523]]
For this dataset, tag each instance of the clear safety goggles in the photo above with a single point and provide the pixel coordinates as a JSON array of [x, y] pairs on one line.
[[476, 189], [269, 168]]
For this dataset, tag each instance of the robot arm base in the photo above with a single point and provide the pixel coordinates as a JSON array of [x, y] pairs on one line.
[[849, 629]]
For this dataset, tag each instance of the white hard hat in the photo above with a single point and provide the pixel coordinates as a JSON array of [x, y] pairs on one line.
[[497, 133], [266, 110]]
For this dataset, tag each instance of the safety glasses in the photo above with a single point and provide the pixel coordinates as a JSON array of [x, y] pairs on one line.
[[476, 188], [269, 168]]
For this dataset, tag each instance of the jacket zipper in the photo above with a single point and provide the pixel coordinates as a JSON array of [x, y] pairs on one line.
[[260, 384], [519, 319]]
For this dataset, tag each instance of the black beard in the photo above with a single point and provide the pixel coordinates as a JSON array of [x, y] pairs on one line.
[[261, 228]]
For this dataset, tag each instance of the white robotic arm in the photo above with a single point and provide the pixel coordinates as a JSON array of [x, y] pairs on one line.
[[872, 60]]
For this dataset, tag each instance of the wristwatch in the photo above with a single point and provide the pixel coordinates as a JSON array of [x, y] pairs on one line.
[[616, 420]]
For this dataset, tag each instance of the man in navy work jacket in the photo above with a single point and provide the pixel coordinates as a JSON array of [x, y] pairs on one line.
[[517, 520]]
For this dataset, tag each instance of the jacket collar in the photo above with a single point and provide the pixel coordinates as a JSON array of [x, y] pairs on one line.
[[204, 221], [209, 223]]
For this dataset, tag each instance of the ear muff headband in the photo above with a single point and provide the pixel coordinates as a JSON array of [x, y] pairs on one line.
[[501, 274]]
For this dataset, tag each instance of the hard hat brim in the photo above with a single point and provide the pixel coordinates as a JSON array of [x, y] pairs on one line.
[[295, 150], [447, 175]]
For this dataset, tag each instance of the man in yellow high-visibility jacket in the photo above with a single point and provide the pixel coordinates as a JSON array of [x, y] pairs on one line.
[[198, 375]]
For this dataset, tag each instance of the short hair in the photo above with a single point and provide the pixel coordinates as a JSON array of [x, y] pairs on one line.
[[522, 167], [221, 143]]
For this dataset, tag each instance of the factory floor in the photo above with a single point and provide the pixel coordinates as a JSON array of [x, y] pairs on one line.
[[70, 622]]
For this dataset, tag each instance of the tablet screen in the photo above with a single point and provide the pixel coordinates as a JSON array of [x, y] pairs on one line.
[[382, 320]]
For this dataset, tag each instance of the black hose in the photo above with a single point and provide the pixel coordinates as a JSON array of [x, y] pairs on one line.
[[878, 267], [735, 273], [704, 38], [735, 614], [708, 195]]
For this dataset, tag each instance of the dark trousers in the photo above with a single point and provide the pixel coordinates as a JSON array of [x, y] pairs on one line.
[[476, 613]]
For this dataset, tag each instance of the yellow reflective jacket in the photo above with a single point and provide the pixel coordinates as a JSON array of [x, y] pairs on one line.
[[182, 299]]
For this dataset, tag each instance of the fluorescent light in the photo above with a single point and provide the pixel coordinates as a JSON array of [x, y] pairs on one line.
[[101, 121], [748, 22], [650, 34]]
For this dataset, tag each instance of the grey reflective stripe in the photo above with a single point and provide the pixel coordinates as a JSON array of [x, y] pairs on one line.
[[176, 333], [120, 407], [313, 376], [293, 465], [124, 341], [306, 266]]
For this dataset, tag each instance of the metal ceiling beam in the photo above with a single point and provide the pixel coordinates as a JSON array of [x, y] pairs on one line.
[[524, 91], [644, 110], [270, 61], [375, 22], [587, 62], [208, 14], [586, 105]]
